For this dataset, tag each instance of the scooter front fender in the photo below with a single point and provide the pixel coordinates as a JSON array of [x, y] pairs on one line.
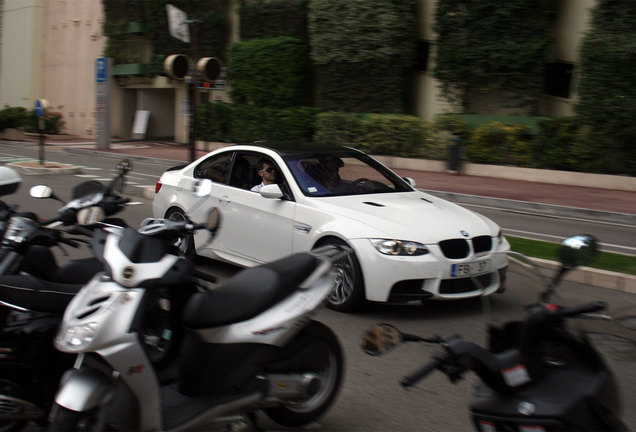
[[84, 389]]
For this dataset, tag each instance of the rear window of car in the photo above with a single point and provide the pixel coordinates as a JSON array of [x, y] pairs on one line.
[[215, 168]]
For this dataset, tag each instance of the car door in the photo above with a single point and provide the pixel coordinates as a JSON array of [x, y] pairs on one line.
[[253, 229]]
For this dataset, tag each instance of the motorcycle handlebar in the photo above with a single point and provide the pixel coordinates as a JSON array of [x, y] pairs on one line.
[[413, 378], [581, 309]]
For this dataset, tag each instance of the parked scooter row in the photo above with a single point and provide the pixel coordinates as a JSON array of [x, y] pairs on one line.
[[34, 291], [538, 374]]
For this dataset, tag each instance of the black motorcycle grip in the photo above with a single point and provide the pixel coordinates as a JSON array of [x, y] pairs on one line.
[[412, 379], [582, 309]]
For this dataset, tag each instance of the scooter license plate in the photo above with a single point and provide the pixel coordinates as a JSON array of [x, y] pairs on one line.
[[470, 269]]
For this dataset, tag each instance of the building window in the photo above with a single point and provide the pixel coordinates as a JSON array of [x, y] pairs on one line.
[[558, 79]]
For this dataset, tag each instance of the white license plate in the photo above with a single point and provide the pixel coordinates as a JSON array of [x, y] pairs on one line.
[[469, 269]]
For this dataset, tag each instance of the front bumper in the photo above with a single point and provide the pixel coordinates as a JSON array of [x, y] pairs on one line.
[[399, 279]]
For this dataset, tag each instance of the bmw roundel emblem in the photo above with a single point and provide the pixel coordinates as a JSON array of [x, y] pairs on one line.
[[464, 233]]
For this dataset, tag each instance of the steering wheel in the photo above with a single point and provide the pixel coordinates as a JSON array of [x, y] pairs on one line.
[[361, 181]]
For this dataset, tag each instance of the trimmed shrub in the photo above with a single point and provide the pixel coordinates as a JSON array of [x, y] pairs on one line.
[[12, 117], [53, 122], [499, 144]]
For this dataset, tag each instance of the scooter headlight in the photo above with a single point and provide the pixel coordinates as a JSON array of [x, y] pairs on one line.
[[76, 338]]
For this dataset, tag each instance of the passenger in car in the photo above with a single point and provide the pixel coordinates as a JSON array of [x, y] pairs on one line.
[[267, 172]]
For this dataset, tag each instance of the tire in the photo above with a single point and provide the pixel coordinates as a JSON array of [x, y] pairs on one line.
[[185, 244], [348, 294], [322, 355], [65, 420]]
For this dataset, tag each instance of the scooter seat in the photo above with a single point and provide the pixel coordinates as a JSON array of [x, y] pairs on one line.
[[249, 292], [38, 295]]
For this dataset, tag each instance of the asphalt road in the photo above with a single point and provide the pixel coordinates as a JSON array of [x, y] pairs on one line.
[[371, 399]]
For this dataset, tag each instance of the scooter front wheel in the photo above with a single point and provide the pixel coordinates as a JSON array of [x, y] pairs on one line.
[[321, 354], [68, 420]]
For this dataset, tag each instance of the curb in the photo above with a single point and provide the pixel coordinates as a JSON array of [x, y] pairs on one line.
[[590, 276], [29, 168]]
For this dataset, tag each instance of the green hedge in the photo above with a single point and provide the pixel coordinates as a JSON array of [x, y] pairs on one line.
[[22, 118], [363, 52], [12, 117], [243, 123], [392, 134], [269, 72], [273, 18]]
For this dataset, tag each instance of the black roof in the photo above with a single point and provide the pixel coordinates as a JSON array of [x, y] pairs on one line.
[[301, 148]]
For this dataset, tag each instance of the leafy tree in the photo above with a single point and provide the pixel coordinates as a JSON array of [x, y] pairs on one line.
[[490, 46], [608, 82]]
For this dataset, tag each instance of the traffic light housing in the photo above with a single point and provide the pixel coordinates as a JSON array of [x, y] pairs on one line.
[[209, 68], [176, 66]]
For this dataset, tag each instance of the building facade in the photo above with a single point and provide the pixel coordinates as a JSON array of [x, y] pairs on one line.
[[48, 50]]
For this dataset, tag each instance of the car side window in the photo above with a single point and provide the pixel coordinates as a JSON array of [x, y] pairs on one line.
[[215, 168]]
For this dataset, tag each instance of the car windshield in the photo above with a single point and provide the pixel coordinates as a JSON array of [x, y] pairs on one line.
[[342, 172]]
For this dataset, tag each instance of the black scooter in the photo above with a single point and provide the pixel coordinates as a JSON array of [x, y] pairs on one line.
[[538, 374], [34, 292]]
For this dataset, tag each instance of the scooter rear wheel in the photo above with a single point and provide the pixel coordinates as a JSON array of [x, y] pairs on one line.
[[322, 356]]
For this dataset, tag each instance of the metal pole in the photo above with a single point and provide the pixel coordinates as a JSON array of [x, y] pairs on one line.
[[41, 140], [192, 90]]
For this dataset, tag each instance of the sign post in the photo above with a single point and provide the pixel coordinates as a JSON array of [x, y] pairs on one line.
[[103, 88], [40, 106]]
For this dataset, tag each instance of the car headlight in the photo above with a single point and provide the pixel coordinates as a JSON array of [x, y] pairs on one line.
[[399, 247], [76, 338]]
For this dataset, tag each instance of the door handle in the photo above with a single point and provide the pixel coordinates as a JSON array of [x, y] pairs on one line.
[[225, 199]]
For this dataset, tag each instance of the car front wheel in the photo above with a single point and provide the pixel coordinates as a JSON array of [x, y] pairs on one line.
[[185, 244], [348, 292]]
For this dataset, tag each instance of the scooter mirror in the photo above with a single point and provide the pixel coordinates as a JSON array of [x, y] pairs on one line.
[[41, 191], [203, 188], [124, 166], [214, 219], [578, 251], [380, 339], [90, 215]]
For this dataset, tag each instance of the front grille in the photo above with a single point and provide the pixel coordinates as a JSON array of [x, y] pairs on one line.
[[407, 290], [454, 248], [464, 285], [482, 244]]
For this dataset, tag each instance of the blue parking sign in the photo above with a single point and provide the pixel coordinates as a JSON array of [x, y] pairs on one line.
[[101, 69], [39, 109]]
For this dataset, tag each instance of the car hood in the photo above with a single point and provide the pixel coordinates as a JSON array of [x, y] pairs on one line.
[[414, 216]]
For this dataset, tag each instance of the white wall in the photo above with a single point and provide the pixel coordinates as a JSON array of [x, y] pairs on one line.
[[22, 45], [73, 41]]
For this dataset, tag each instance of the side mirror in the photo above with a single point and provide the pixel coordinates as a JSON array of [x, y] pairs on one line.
[[410, 181], [124, 167], [214, 219], [203, 188], [90, 215], [574, 251], [271, 191], [380, 339], [41, 191], [579, 250]]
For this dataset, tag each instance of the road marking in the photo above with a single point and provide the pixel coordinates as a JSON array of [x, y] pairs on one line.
[[86, 175]]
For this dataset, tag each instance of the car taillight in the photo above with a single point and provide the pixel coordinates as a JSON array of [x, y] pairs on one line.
[[158, 186]]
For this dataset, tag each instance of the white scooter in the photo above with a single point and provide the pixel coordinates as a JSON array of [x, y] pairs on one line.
[[247, 345]]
